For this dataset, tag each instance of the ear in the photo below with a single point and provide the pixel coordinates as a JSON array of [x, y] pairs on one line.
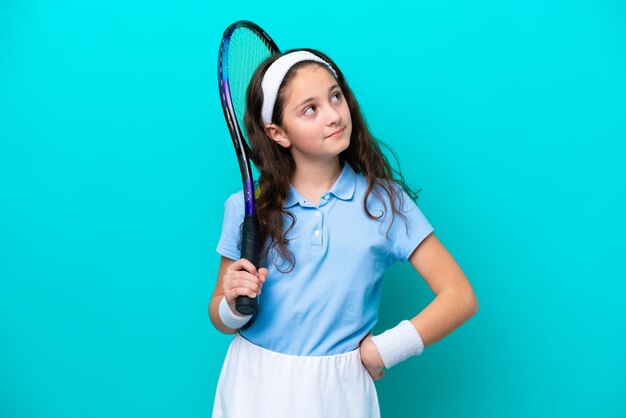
[[278, 135]]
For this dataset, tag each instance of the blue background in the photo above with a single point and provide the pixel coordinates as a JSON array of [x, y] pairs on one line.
[[115, 162]]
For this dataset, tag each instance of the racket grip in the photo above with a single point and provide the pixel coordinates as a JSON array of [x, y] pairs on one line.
[[250, 250]]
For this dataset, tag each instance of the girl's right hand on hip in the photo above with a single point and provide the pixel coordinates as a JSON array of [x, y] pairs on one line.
[[242, 279]]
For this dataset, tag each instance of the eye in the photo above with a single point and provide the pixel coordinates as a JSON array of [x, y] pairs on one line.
[[309, 110], [336, 97]]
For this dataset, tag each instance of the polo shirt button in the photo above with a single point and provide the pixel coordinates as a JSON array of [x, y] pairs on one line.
[[326, 197], [317, 232], [317, 213]]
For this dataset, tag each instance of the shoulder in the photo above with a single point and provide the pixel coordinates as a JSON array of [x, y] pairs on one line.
[[234, 206], [379, 197], [236, 199]]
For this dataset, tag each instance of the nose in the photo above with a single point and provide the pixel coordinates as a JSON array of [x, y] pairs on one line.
[[333, 116]]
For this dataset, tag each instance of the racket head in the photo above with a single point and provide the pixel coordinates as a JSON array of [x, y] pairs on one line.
[[244, 46]]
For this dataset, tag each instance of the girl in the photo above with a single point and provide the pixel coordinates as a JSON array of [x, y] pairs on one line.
[[332, 220]]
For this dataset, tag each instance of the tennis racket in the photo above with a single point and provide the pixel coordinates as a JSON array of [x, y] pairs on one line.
[[244, 46]]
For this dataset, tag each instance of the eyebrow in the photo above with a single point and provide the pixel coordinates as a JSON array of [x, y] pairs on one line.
[[305, 101]]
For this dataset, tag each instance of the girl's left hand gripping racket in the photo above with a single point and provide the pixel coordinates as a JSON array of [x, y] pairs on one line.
[[244, 46]]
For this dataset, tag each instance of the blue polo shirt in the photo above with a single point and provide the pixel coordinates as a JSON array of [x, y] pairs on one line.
[[329, 302]]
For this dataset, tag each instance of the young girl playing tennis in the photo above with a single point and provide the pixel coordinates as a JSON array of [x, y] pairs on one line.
[[332, 219]]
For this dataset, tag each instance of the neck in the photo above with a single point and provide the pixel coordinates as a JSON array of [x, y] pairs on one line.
[[316, 177]]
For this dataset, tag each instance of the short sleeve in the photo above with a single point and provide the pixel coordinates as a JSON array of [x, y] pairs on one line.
[[406, 236], [230, 238]]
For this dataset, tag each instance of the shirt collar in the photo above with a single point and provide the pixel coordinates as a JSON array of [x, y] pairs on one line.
[[342, 189]]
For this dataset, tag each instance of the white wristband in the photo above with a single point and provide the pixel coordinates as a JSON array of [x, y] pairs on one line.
[[230, 318], [399, 343]]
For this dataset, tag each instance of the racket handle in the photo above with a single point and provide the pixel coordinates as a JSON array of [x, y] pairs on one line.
[[250, 237], [246, 305]]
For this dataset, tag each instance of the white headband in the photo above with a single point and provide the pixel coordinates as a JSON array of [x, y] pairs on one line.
[[274, 77]]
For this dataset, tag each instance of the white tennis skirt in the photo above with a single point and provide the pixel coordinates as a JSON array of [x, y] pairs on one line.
[[257, 382]]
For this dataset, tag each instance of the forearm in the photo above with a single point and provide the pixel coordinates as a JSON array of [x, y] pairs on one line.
[[215, 317], [447, 312]]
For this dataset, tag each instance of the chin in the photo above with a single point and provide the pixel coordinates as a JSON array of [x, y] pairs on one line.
[[346, 144]]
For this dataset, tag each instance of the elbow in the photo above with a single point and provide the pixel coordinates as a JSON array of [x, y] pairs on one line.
[[475, 309], [469, 303], [473, 305], [465, 304]]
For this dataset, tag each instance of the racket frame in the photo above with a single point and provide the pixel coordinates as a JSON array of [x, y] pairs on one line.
[[250, 245]]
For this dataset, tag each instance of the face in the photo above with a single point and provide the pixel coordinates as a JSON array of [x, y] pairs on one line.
[[316, 122]]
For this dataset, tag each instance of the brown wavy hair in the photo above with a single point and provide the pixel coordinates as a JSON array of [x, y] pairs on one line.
[[276, 165]]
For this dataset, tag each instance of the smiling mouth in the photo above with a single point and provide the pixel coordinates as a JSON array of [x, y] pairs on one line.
[[336, 133]]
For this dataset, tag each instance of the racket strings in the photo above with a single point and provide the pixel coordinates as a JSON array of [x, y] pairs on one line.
[[245, 52]]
